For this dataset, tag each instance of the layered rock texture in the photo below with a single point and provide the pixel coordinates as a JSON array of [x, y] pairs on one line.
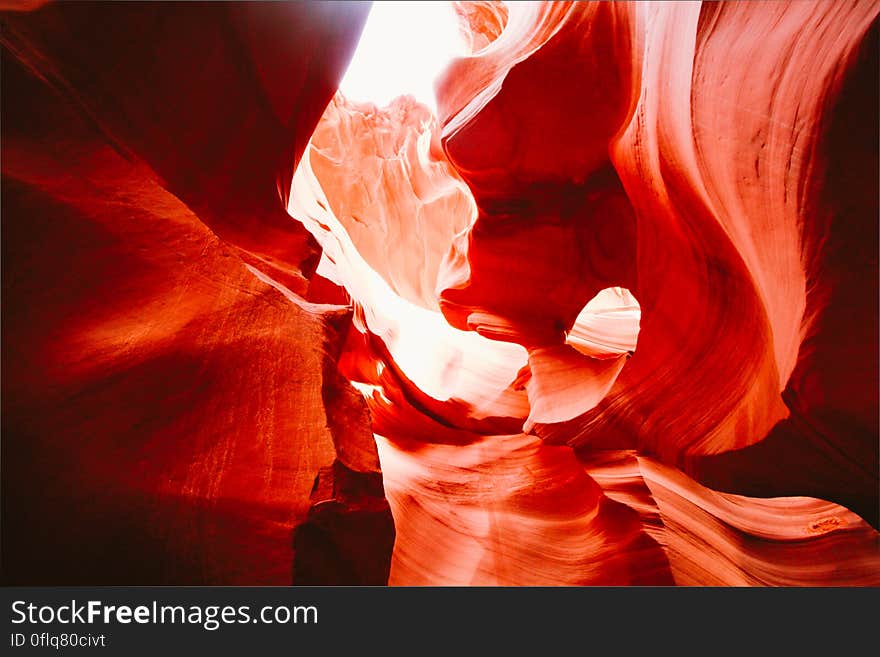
[[608, 318]]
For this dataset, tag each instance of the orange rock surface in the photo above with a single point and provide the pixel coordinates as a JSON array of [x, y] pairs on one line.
[[609, 318]]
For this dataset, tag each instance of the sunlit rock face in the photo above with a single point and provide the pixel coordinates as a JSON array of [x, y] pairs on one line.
[[608, 318], [393, 191]]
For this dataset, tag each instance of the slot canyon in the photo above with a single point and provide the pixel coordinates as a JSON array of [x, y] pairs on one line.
[[603, 311]]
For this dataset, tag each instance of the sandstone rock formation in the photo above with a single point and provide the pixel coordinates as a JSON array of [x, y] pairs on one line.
[[609, 318]]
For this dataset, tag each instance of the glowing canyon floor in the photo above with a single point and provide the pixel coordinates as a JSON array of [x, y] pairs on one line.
[[465, 293]]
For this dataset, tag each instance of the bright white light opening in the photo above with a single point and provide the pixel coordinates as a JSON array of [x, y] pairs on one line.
[[403, 48]]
